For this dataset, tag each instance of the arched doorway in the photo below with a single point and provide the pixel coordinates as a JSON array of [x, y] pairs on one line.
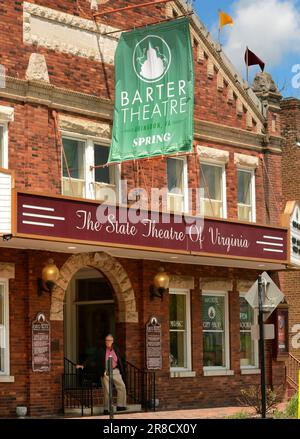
[[89, 314], [115, 273]]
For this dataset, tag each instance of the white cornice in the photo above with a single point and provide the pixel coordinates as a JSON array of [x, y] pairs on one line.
[[6, 114], [246, 160], [213, 154], [56, 30], [86, 105]]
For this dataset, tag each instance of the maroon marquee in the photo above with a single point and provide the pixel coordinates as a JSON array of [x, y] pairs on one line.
[[78, 221]]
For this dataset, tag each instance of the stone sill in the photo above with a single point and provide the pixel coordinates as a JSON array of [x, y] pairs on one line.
[[7, 379], [253, 371], [216, 372], [182, 374]]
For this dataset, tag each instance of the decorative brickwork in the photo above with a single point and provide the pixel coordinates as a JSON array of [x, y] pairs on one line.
[[81, 91], [112, 269]]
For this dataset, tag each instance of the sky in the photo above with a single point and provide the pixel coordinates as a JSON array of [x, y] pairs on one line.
[[270, 28]]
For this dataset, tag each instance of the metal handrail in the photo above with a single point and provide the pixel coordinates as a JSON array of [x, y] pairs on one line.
[[293, 367], [140, 386], [78, 386]]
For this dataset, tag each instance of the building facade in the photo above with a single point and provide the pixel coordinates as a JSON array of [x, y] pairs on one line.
[[290, 161], [56, 115]]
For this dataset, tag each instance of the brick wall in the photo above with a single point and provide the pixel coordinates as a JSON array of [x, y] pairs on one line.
[[41, 392], [290, 118], [33, 151], [35, 156]]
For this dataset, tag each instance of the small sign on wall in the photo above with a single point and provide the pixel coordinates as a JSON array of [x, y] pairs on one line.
[[40, 344], [282, 332], [153, 344]]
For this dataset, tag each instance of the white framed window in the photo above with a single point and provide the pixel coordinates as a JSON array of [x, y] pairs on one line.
[[3, 145], [180, 330], [106, 181], [86, 181], [246, 194], [177, 180], [73, 167], [215, 330], [4, 328], [248, 347], [213, 189]]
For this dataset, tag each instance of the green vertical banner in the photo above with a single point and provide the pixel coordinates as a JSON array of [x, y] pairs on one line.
[[154, 92]]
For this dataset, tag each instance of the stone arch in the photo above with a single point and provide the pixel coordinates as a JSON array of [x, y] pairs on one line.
[[112, 269]]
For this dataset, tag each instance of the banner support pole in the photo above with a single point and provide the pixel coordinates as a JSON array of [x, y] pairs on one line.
[[148, 24], [127, 8]]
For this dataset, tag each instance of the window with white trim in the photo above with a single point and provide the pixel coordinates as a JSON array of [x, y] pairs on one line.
[[3, 146], [215, 330], [248, 347], [4, 328], [74, 179], [246, 194], [177, 184], [80, 178], [103, 175], [213, 189], [180, 330]]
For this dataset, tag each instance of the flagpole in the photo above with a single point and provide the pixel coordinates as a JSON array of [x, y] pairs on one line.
[[219, 34], [247, 51]]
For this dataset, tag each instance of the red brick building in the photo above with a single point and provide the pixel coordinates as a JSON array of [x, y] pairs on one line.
[[59, 90], [290, 113]]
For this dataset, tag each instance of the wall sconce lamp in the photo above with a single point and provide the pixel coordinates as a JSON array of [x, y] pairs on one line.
[[160, 284], [50, 274]]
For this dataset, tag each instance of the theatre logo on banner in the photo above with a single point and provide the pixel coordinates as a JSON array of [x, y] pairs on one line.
[[154, 92]]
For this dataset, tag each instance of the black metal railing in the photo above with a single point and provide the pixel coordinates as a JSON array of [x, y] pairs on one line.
[[79, 387], [293, 367], [140, 386]]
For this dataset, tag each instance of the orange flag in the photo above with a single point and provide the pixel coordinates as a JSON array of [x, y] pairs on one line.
[[224, 19]]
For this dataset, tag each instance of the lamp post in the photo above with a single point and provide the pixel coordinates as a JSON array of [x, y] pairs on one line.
[[261, 293]]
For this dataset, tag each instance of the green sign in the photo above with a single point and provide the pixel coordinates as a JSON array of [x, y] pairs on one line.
[[213, 309], [246, 315], [154, 92]]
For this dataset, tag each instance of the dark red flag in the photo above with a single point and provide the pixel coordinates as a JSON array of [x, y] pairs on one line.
[[251, 59]]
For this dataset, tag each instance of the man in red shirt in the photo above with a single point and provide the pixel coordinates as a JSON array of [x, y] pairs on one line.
[[101, 361], [112, 350]]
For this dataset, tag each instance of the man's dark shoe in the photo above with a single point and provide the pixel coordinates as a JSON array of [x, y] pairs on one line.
[[105, 412], [121, 409]]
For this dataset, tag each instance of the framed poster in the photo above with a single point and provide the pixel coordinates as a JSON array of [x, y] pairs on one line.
[[153, 344], [40, 344], [281, 332]]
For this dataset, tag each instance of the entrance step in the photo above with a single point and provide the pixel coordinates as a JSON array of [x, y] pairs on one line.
[[98, 410]]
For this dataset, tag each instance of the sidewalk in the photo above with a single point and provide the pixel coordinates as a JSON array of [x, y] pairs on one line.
[[207, 413]]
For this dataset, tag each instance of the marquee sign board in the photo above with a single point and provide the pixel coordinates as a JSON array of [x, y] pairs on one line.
[[72, 220]]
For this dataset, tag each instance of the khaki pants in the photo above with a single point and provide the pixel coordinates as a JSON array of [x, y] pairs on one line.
[[120, 386]]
